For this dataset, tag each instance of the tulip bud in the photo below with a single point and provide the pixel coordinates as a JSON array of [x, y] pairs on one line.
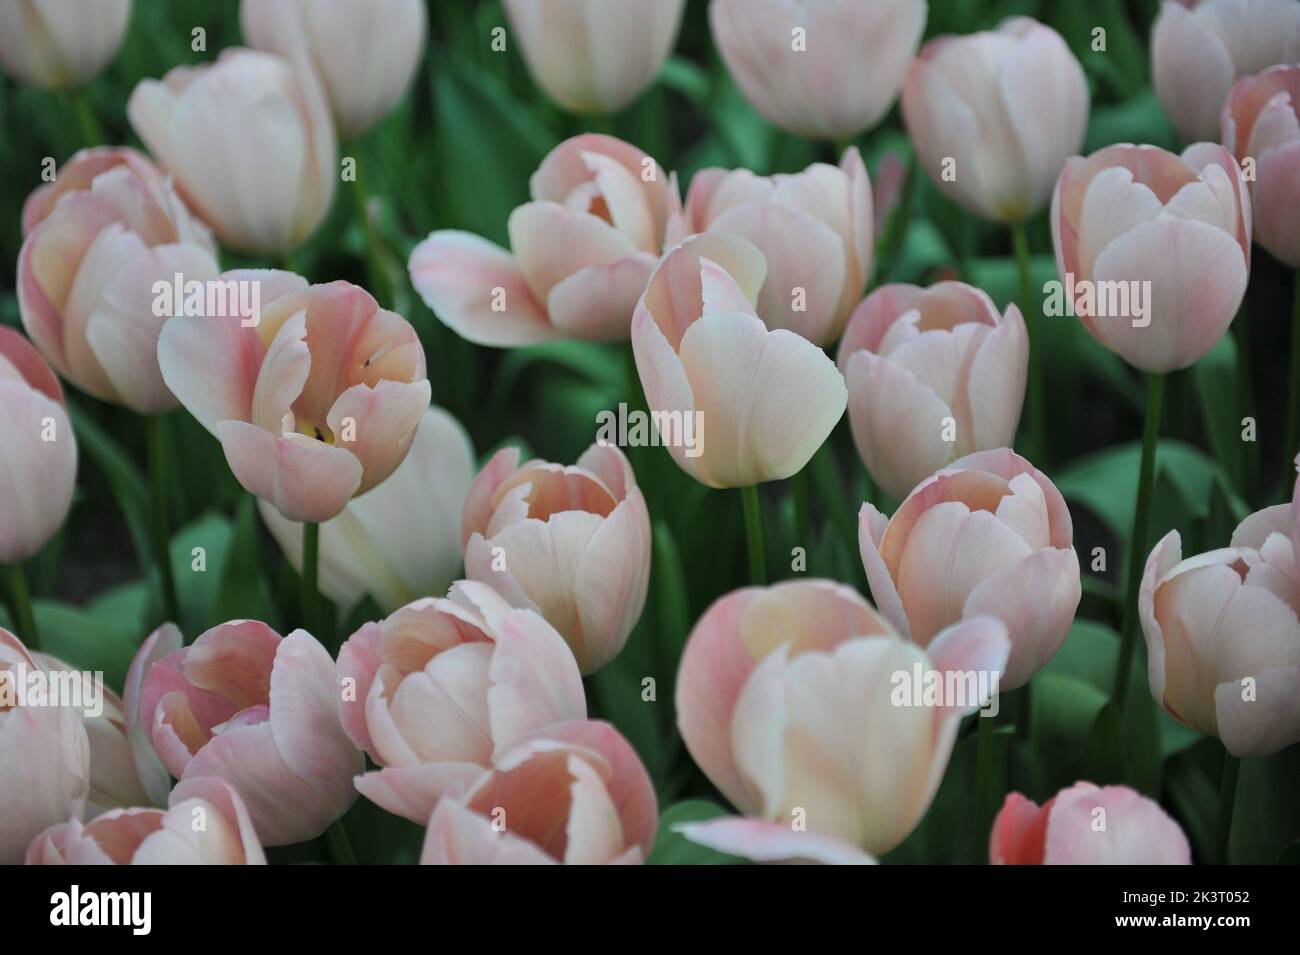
[[56, 44]]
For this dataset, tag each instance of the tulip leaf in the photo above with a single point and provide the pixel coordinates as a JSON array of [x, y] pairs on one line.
[[125, 481], [672, 848], [1267, 807], [87, 641], [1219, 387], [243, 591]]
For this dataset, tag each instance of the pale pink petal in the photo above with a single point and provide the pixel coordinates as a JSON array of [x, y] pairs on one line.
[[771, 842]]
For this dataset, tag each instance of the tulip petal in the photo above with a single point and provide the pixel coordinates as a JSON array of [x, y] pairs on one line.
[[771, 842], [305, 479]]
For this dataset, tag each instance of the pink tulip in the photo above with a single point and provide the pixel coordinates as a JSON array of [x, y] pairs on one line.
[[97, 239], [163, 642], [1087, 825], [786, 698], [764, 399], [571, 543], [994, 115], [207, 824], [815, 229], [823, 68], [1173, 233], [1261, 122], [250, 143], [933, 375], [60, 43], [990, 534], [314, 402], [581, 252], [260, 713], [575, 793], [594, 56], [1198, 47], [441, 688]]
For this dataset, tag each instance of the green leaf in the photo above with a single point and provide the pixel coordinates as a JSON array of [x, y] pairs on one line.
[[199, 555], [88, 642], [1219, 388], [125, 481], [672, 848]]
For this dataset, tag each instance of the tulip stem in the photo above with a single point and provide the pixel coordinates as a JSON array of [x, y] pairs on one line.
[[91, 133], [1033, 317], [376, 276], [20, 606], [983, 779], [1227, 802], [338, 843], [310, 593], [896, 227], [1292, 443], [802, 523], [156, 441], [1141, 529], [754, 534]]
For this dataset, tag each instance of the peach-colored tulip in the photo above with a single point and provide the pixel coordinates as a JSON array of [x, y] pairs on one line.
[[1198, 47], [207, 824], [1087, 825], [570, 542], [314, 402], [581, 252], [933, 375], [250, 142], [260, 713], [786, 699], [60, 43], [994, 115], [40, 469], [763, 399], [45, 755], [153, 775], [989, 534], [815, 229], [594, 56], [1174, 232], [574, 793], [824, 68], [98, 238], [1261, 122], [441, 688]]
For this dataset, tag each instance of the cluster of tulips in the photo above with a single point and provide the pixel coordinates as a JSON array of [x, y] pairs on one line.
[[464, 709]]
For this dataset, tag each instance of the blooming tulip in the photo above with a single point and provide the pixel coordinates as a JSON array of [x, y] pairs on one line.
[[58, 43], [583, 250], [814, 228], [765, 399], [594, 56], [444, 686], [207, 824], [787, 699], [1175, 231], [824, 68], [1087, 825], [574, 793], [572, 543], [315, 401], [990, 534], [260, 713], [994, 115], [919, 362], [1198, 47], [1261, 121], [163, 642], [250, 143], [98, 239]]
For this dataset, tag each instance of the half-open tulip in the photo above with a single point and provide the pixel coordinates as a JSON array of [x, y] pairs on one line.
[[571, 542], [315, 400], [994, 115], [1261, 122], [788, 699], [574, 793], [57, 43], [1087, 825], [763, 399], [1157, 247], [250, 142], [440, 689], [581, 252], [933, 375], [824, 68]]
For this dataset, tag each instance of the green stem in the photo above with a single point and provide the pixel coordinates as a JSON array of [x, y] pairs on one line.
[[802, 520], [1025, 712], [310, 591], [754, 535], [340, 847], [376, 276], [91, 133], [20, 603], [984, 770], [896, 227], [1141, 531], [1292, 442], [1246, 388], [1033, 314], [1227, 802], [156, 441]]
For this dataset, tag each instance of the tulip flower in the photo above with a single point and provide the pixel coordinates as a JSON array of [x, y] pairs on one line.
[[260, 713], [250, 143], [1198, 47], [933, 375], [163, 642], [1261, 122], [989, 534], [581, 252], [207, 824], [788, 699], [594, 56], [571, 543], [1087, 825], [441, 688], [821, 68], [815, 229], [575, 793], [364, 51], [55, 44]]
